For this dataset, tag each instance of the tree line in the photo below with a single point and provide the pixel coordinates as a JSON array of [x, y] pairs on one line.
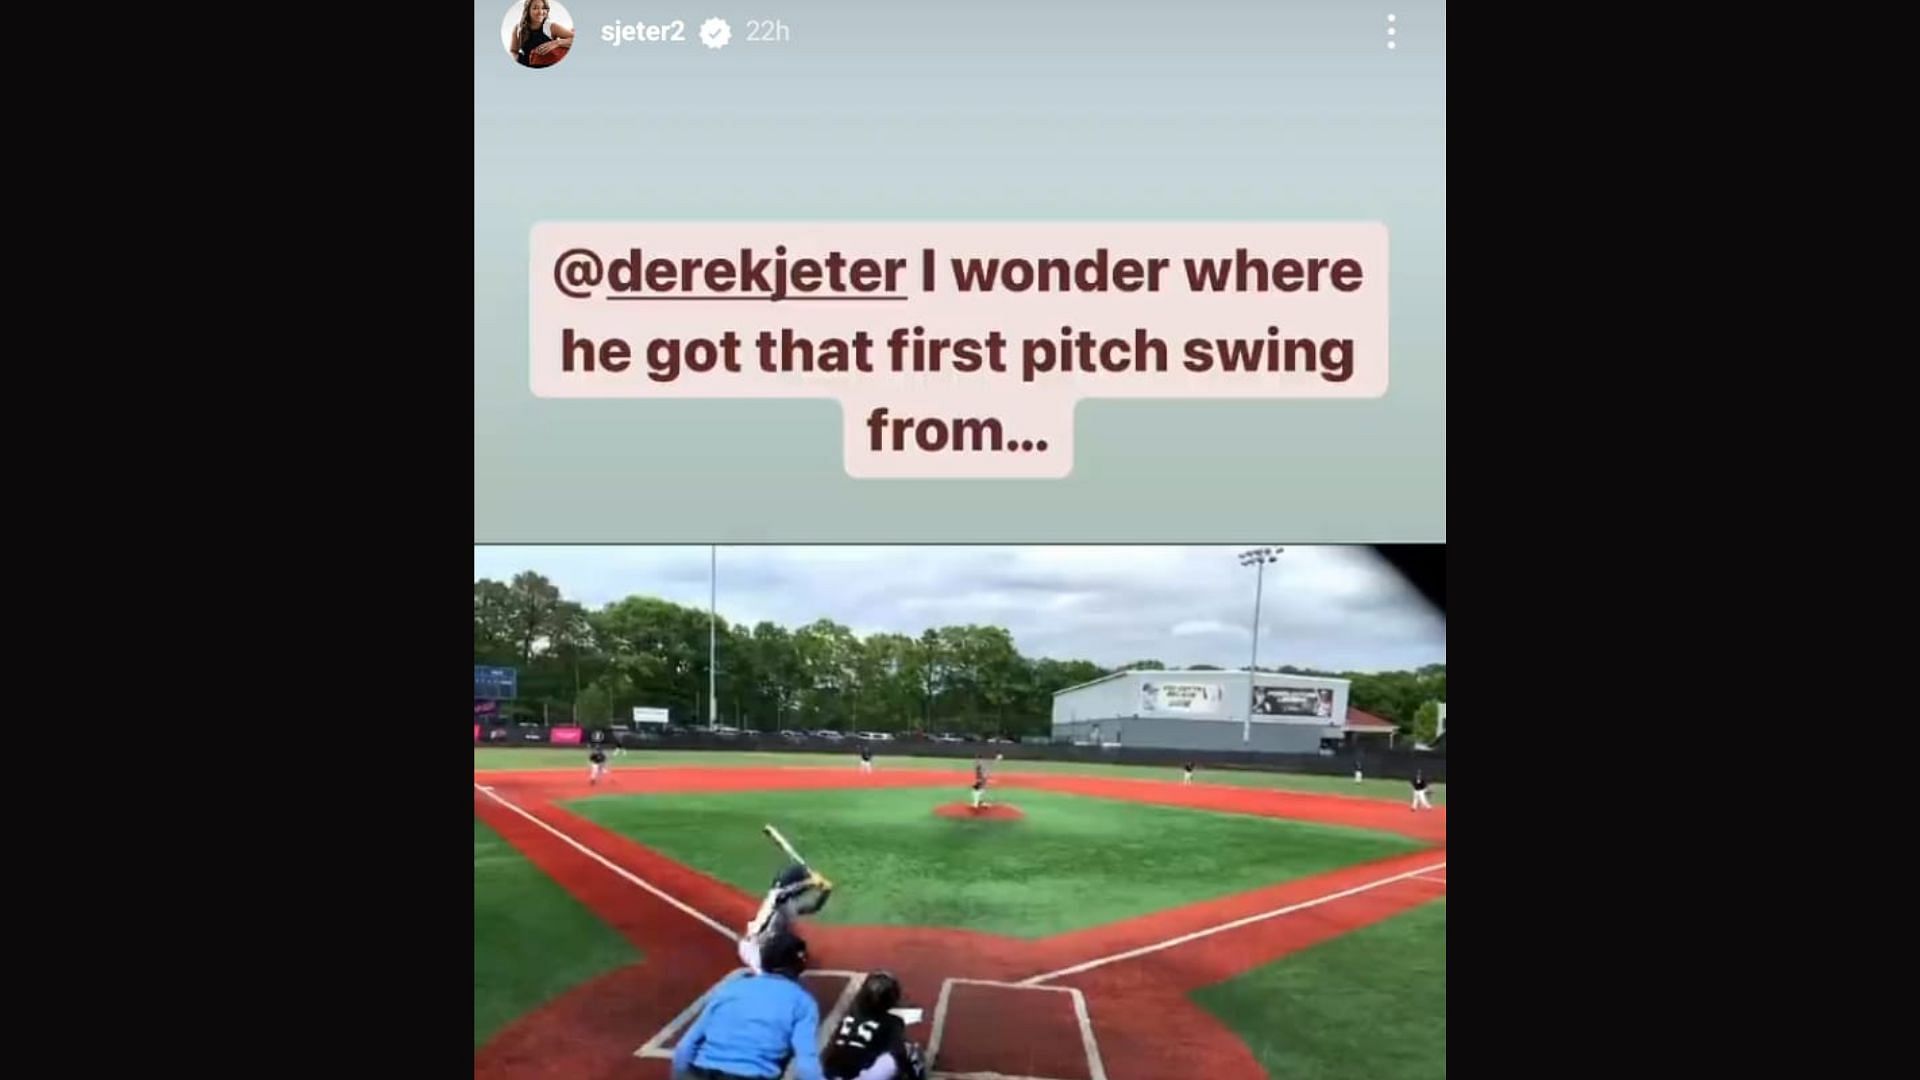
[[594, 667]]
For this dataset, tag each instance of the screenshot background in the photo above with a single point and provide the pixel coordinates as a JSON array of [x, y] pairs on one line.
[[1209, 110]]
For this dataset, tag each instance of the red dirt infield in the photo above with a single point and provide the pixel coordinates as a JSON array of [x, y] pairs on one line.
[[970, 812], [1135, 975]]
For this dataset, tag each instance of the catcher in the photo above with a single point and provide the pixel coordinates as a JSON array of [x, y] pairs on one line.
[[872, 1042], [796, 891]]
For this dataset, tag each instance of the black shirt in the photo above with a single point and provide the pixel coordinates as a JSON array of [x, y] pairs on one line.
[[861, 1041], [866, 754], [529, 41], [597, 758], [1419, 783]]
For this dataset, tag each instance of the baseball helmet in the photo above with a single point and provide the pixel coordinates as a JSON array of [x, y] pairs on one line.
[[784, 954], [792, 875], [880, 993]]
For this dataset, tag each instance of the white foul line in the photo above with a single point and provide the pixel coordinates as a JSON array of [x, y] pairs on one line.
[[1435, 880], [1223, 927], [602, 860]]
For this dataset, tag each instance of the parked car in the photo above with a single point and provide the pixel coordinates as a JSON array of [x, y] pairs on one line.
[[875, 736], [793, 736], [830, 736], [948, 738]]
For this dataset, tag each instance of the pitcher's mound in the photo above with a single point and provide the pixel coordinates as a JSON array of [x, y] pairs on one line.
[[990, 812]]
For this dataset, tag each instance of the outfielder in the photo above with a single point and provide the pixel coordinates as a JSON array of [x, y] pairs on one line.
[[796, 891]]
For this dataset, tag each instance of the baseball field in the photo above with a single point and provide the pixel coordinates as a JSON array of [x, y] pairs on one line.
[[1101, 923]]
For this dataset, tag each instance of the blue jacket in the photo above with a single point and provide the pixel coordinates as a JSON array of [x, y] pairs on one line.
[[752, 1026]]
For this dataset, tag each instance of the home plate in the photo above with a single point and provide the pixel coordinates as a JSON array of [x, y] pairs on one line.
[[989, 1029]]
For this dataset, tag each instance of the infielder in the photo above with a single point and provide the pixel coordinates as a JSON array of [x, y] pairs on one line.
[[866, 759], [796, 891], [1420, 791], [1187, 780], [598, 768], [601, 737]]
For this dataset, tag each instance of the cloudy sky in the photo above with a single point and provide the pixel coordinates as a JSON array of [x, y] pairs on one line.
[[1324, 607]]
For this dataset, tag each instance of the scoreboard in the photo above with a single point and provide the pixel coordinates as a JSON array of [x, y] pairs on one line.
[[495, 683]]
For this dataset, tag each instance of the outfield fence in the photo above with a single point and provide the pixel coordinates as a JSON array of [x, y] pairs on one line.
[[1396, 764]]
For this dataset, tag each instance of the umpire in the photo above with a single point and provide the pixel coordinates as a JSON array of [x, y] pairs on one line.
[[754, 1025]]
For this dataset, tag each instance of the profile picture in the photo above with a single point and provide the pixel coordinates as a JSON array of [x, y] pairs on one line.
[[537, 33]]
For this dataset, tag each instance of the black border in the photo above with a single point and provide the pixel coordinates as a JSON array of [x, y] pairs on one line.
[[360, 912]]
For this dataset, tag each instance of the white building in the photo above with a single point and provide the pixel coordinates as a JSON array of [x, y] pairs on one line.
[[1204, 710]]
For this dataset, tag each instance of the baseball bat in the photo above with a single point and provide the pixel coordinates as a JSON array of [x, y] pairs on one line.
[[774, 835]]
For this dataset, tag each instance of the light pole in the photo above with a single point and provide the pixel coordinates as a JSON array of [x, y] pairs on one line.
[[1258, 558], [713, 617]]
